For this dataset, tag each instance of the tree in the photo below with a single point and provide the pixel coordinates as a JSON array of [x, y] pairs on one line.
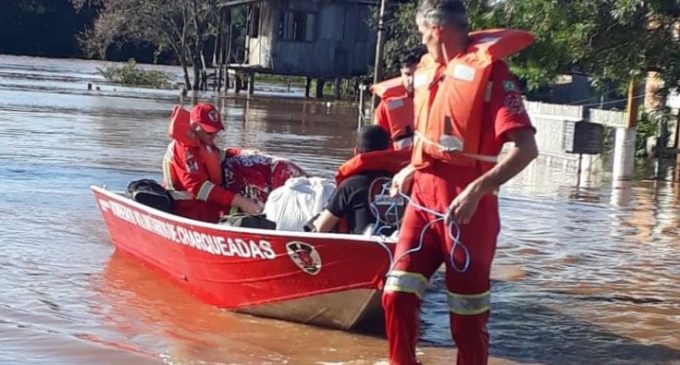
[[182, 26], [39, 27], [401, 34], [608, 39]]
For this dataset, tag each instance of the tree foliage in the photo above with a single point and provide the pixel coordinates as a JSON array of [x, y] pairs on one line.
[[182, 27], [131, 74], [608, 39], [40, 28], [402, 35]]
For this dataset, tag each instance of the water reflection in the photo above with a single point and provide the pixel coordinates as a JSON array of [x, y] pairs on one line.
[[583, 275]]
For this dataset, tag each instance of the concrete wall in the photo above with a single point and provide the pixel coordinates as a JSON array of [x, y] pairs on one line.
[[549, 122]]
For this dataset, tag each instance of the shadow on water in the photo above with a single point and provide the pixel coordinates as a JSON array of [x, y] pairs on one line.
[[139, 300], [136, 299], [558, 339], [533, 330]]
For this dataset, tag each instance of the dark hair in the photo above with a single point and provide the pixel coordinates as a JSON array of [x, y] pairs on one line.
[[372, 138], [411, 57]]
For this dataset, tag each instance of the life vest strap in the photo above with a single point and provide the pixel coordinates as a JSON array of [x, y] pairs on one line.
[[449, 149]]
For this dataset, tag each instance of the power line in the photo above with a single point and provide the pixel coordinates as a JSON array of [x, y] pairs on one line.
[[614, 101], [610, 91]]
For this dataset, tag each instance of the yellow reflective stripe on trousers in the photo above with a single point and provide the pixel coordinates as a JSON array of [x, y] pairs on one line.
[[406, 282], [205, 190], [469, 304], [167, 159]]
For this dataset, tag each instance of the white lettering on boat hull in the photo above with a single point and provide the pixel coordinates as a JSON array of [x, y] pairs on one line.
[[214, 245]]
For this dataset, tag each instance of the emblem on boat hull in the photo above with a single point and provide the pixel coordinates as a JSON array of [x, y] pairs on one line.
[[305, 256]]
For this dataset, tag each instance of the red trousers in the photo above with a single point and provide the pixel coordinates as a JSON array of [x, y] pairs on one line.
[[468, 292]]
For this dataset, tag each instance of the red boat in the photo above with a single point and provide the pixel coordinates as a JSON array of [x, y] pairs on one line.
[[332, 280]]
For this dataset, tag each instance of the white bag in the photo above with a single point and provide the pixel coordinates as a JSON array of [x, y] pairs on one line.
[[292, 205]]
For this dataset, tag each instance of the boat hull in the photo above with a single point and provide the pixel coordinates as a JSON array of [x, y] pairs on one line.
[[329, 280]]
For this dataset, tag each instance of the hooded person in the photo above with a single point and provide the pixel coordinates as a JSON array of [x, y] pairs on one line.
[[192, 170]]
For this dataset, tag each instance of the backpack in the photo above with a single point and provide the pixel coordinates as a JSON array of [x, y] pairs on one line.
[[152, 194]]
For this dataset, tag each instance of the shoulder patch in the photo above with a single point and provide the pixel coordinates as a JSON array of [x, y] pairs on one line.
[[509, 86]]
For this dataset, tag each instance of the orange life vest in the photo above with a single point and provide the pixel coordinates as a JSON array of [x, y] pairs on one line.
[[400, 114], [390, 161], [180, 131], [400, 117], [388, 88], [449, 99]]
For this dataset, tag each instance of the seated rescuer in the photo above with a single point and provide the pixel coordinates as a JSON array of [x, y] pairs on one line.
[[350, 201], [192, 170], [395, 112]]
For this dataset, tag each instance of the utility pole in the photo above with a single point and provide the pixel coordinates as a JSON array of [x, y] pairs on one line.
[[632, 106], [624, 145], [379, 50], [677, 149]]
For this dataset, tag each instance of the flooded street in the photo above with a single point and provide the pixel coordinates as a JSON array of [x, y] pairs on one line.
[[582, 276]]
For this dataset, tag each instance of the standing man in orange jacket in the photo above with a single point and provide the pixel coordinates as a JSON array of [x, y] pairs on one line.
[[192, 167], [395, 112], [467, 106]]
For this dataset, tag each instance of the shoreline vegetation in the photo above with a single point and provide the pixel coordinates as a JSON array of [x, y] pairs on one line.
[[133, 75]]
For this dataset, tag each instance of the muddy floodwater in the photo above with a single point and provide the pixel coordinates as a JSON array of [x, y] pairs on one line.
[[582, 276]]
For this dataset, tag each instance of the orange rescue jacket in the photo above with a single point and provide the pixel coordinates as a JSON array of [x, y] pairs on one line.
[[192, 170], [390, 161], [449, 99], [398, 106]]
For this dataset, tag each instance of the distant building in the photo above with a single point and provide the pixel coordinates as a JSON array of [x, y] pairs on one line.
[[324, 39]]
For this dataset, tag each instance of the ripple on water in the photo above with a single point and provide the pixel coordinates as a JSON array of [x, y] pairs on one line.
[[581, 276]]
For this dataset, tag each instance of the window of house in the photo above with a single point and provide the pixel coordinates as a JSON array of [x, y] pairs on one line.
[[298, 26]]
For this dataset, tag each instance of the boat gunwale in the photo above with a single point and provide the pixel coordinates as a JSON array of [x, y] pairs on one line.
[[265, 232]]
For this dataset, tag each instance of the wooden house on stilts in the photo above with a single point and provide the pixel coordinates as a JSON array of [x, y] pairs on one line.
[[329, 40]]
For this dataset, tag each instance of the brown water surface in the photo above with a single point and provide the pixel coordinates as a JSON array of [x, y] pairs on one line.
[[582, 276]]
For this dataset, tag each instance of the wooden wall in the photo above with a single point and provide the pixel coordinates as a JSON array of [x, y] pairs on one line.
[[343, 44]]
